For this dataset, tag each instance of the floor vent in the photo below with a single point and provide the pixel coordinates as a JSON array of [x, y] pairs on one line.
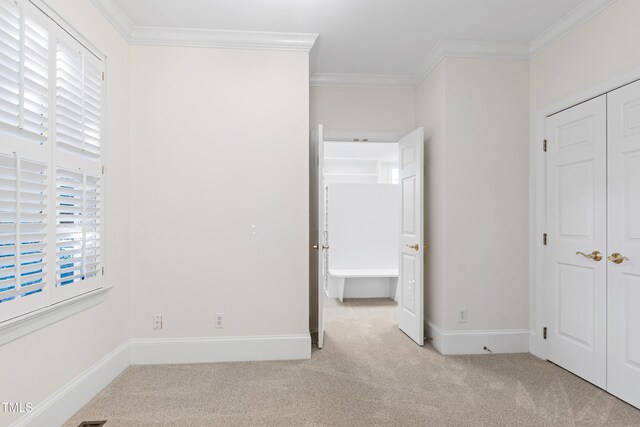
[[92, 423]]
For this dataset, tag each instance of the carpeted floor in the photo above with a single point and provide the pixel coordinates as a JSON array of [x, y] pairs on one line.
[[369, 373]]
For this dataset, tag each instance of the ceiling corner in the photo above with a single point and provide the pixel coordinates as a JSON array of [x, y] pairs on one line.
[[469, 49], [116, 16], [572, 20]]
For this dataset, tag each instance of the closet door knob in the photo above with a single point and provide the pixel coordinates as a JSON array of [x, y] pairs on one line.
[[617, 258], [415, 247], [595, 255]]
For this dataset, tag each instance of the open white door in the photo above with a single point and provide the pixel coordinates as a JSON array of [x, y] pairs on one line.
[[411, 264], [322, 239]]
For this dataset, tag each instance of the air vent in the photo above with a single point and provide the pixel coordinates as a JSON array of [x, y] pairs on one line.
[[92, 423]]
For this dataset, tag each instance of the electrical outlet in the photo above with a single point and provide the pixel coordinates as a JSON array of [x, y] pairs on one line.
[[219, 321], [157, 321], [462, 315]]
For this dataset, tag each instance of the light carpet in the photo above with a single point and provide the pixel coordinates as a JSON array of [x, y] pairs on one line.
[[369, 373]]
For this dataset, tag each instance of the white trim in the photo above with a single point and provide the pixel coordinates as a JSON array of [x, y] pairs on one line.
[[538, 227], [473, 342], [219, 349], [469, 49], [193, 37], [116, 16], [578, 16], [351, 136], [224, 39], [30, 322], [380, 81], [63, 404]]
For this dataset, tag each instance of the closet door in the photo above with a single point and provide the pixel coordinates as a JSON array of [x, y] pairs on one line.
[[624, 244], [577, 241]]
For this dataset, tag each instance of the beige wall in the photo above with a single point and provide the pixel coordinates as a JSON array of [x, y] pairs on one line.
[[486, 193], [220, 191], [604, 46], [475, 114], [38, 364], [363, 109], [430, 114]]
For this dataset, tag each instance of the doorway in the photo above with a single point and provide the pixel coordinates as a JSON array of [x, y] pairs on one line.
[[369, 235]]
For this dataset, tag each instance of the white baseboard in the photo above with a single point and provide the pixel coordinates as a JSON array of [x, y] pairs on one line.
[[61, 405], [473, 342], [219, 349], [64, 403]]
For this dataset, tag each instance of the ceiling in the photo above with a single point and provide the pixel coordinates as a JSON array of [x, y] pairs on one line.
[[389, 37]]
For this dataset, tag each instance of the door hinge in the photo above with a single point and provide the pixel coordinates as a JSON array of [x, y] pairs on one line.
[[545, 239], [103, 76], [544, 332], [544, 146], [103, 271], [103, 170]]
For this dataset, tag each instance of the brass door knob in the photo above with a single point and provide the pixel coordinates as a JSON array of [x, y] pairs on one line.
[[617, 258], [315, 247], [414, 247], [595, 255]]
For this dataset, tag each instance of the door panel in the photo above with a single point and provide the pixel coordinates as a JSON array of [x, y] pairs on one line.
[[624, 238], [410, 307], [576, 216], [322, 236]]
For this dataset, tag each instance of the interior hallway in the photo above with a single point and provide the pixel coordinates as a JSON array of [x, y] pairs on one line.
[[369, 373]]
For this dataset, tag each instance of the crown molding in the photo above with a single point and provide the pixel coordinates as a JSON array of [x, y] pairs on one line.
[[225, 39], [578, 16], [116, 16], [188, 37], [469, 49], [303, 42], [381, 81]]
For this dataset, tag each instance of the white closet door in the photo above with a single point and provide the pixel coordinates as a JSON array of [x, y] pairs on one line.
[[624, 239], [576, 215]]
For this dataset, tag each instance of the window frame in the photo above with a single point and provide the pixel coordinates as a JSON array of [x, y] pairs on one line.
[[58, 302]]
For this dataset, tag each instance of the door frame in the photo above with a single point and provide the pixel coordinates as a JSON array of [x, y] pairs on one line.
[[331, 136], [538, 263]]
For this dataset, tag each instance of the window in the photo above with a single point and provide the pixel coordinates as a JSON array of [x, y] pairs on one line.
[[51, 97]]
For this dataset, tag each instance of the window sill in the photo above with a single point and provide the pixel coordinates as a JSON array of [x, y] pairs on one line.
[[23, 325]]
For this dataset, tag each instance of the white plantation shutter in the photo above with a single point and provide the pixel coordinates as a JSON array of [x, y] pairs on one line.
[[24, 71], [68, 97], [69, 226], [9, 63], [36, 78], [78, 101], [51, 93], [78, 230], [93, 226], [8, 227], [23, 235], [92, 107]]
